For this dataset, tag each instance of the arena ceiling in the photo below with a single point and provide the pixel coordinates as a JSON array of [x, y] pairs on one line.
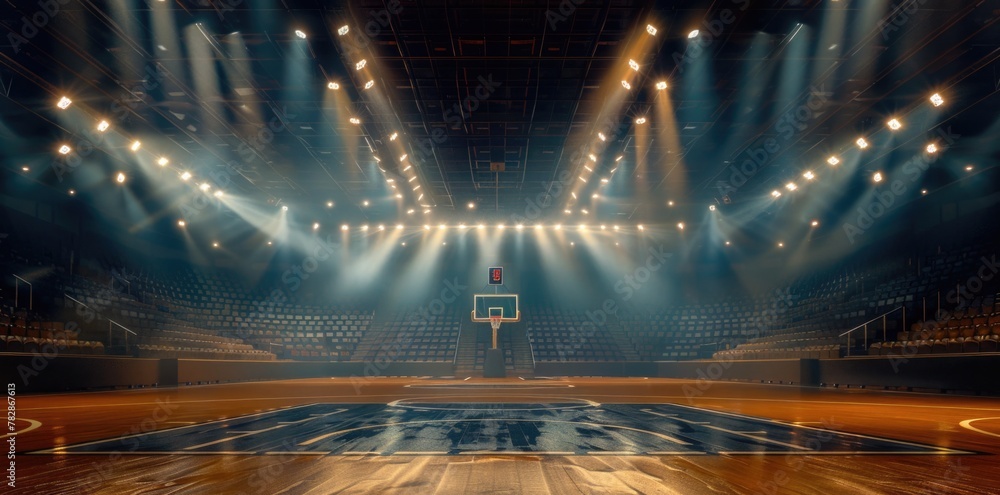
[[499, 106]]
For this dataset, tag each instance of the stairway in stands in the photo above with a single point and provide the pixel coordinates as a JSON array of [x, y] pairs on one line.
[[375, 338], [465, 363], [517, 340], [622, 340]]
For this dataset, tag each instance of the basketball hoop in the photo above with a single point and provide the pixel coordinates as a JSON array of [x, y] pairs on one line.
[[495, 322]]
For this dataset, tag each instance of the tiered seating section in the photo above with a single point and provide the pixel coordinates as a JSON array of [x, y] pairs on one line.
[[414, 336], [559, 335], [18, 334], [968, 330]]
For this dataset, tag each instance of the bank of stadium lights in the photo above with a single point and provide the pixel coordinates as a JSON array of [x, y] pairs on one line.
[[601, 136], [661, 85], [300, 34], [360, 65], [64, 149], [833, 160], [333, 85], [693, 34], [895, 124], [650, 29], [862, 144], [354, 120], [809, 175], [64, 103], [103, 126], [185, 176], [163, 161], [135, 145], [342, 30], [633, 65], [120, 178], [877, 177], [640, 120], [369, 84], [937, 100], [393, 136], [775, 193], [791, 186], [931, 148]]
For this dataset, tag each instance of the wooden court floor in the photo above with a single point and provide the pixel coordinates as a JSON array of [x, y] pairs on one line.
[[291, 437]]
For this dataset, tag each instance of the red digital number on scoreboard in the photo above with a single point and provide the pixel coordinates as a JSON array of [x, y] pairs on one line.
[[496, 275]]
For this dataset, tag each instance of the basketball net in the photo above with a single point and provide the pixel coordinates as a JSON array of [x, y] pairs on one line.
[[495, 322]]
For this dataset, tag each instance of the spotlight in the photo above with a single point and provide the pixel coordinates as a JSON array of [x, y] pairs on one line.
[[519, 226], [381, 227], [923, 191], [407, 168], [364, 228], [284, 207], [300, 34], [581, 178], [815, 223], [64, 103], [270, 243], [480, 226], [538, 226], [501, 226], [398, 196], [204, 186], [120, 178], [342, 30], [427, 227], [558, 227], [650, 29], [604, 227], [711, 207], [329, 204], [402, 244], [25, 169], [932, 148], [568, 212], [369, 84], [833, 160], [775, 194], [181, 223], [64, 150], [215, 244], [364, 203], [619, 158], [592, 157], [728, 243], [410, 211], [781, 244], [403, 157], [693, 34], [462, 226], [595, 196], [640, 120], [472, 205], [163, 161], [600, 135], [72, 192], [877, 177], [571, 243], [573, 194], [399, 226], [344, 227], [968, 168], [680, 225], [937, 100], [135, 145], [895, 124], [809, 175], [103, 126], [641, 227], [442, 226], [581, 227], [360, 65], [585, 212], [218, 193], [862, 143], [615, 227], [316, 226], [791, 186], [185, 176], [378, 160], [604, 180], [354, 120], [333, 85], [393, 136], [661, 85], [633, 65], [670, 203], [626, 85]]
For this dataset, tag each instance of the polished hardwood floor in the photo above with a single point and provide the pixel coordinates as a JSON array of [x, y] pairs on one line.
[[964, 430]]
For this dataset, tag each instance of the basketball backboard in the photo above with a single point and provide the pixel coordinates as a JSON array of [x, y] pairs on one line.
[[503, 305]]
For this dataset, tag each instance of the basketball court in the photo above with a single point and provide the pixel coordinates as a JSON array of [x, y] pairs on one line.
[[556, 435]]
